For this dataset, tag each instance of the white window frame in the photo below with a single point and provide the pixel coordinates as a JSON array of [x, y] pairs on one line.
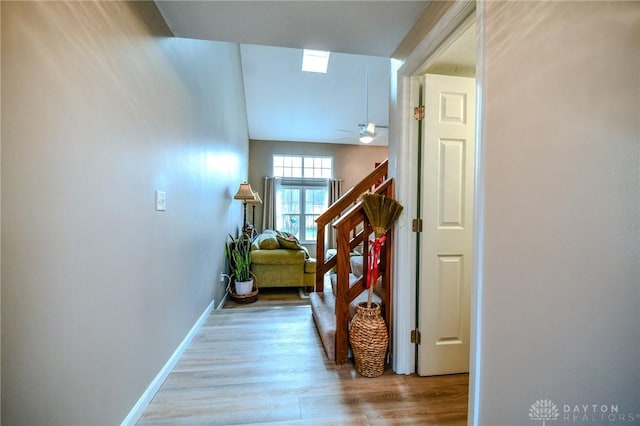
[[298, 166], [289, 165], [302, 215]]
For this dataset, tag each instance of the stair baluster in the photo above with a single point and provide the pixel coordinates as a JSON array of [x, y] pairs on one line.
[[353, 229]]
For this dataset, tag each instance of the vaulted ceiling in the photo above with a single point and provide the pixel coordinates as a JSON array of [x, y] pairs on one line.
[[359, 27], [284, 103]]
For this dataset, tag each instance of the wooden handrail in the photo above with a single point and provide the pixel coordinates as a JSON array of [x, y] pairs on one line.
[[335, 210], [352, 195], [380, 189]]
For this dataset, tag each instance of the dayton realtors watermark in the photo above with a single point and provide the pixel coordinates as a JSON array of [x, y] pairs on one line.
[[545, 410]]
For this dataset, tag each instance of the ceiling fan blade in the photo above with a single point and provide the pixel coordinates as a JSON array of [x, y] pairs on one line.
[[381, 126]]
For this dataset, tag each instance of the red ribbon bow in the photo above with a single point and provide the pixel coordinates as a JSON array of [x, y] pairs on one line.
[[374, 259]]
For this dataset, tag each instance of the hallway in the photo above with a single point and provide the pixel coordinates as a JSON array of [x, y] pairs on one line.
[[267, 366]]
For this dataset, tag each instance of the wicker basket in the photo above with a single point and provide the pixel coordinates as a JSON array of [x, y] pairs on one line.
[[369, 340], [243, 298]]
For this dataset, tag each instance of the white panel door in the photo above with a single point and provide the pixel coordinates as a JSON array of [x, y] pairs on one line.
[[446, 242]]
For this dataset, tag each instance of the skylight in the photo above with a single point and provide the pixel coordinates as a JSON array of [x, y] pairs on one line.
[[315, 61]]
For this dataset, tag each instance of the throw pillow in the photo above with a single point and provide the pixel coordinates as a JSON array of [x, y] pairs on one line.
[[287, 240], [267, 241]]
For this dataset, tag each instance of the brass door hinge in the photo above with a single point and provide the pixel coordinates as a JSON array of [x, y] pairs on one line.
[[415, 336], [416, 225], [418, 113]]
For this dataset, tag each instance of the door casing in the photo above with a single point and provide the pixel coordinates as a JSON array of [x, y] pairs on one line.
[[402, 154]]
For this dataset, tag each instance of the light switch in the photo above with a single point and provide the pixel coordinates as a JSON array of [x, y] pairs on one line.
[[161, 201]]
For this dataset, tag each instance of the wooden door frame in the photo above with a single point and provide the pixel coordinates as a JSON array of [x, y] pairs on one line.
[[402, 165]]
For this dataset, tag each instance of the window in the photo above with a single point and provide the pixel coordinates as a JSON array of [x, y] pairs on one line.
[[302, 194], [298, 166], [315, 61]]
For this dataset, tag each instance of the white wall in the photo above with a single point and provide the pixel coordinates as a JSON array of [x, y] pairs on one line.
[[101, 107], [0, 222], [560, 271]]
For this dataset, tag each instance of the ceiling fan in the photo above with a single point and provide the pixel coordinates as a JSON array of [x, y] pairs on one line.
[[367, 131]]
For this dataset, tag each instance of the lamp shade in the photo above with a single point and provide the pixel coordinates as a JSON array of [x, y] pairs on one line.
[[256, 199], [244, 193]]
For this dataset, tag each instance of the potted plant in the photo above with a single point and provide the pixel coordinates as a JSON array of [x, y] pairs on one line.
[[238, 252]]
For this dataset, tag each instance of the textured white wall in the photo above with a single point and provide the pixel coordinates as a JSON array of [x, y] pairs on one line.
[[560, 276], [102, 107]]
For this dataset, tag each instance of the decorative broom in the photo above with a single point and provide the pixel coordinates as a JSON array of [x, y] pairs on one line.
[[382, 212]]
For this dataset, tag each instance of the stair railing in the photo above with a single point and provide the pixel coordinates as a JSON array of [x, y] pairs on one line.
[[353, 229], [334, 211]]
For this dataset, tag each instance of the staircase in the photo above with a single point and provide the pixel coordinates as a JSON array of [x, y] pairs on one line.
[[332, 313]]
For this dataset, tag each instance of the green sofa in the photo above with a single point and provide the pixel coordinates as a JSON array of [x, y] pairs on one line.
[[278, 260]]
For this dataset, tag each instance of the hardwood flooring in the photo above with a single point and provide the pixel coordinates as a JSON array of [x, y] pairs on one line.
[[266, 366]]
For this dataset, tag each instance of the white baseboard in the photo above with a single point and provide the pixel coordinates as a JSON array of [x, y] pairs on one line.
[[224, 299], [138, 409]]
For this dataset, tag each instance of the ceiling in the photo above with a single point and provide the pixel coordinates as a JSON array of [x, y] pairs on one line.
[[284, 103], [359, 27]]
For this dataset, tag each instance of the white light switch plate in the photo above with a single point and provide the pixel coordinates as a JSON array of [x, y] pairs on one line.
[[161, 201]]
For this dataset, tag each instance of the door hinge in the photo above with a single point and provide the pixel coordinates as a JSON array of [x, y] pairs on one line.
[[416, 225], [415, 336], [418, 113]]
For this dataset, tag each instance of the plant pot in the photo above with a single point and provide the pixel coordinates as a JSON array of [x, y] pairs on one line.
[[249, 297], [244, 287], [369, 340]]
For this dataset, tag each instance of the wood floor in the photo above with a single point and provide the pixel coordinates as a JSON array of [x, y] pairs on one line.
[[273, 297], [266, 366]]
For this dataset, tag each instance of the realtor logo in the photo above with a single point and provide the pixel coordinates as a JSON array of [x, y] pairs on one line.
[[543, 409]]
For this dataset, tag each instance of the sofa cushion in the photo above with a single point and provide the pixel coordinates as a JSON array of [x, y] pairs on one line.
[[278, 257], [266, 241], [310, 266]]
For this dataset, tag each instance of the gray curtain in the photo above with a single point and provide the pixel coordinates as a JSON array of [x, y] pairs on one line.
[[335, 191], [269, 206]]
